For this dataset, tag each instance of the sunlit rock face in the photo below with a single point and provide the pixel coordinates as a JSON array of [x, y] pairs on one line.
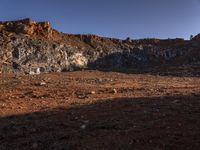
[[78, 60], [32, 47]]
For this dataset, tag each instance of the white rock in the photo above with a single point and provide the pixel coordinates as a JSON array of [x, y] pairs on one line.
[[43, 83], [83, 126]]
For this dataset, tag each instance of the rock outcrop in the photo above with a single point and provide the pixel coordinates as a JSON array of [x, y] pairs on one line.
[[196, 38], [28, 27], [32, 47]]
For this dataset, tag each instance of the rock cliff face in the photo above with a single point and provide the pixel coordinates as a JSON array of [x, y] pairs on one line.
[[196, 38], [32, 47]]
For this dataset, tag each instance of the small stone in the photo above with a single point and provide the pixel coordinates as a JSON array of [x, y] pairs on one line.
[[34, 130], [42, 83], [92, 92], [114, 91], [83, 126], [86, 121], [3, 106], [175, 101], [35, 145]]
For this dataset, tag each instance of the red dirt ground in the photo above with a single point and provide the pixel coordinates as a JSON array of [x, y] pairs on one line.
[[99, 110]]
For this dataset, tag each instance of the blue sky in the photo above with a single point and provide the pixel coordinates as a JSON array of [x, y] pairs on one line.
[[111, 18]]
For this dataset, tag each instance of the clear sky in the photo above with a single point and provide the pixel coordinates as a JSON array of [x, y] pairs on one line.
[[111, 18]]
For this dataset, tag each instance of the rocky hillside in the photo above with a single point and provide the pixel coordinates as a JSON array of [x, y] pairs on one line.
[[33, 47]]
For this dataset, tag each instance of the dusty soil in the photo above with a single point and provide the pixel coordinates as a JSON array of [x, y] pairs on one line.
[[99, 110]]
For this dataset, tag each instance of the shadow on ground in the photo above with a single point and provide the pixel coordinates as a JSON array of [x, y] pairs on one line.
[[124, 123]]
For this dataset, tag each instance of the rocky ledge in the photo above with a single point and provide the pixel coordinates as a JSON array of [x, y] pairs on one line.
[[32, 47]]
